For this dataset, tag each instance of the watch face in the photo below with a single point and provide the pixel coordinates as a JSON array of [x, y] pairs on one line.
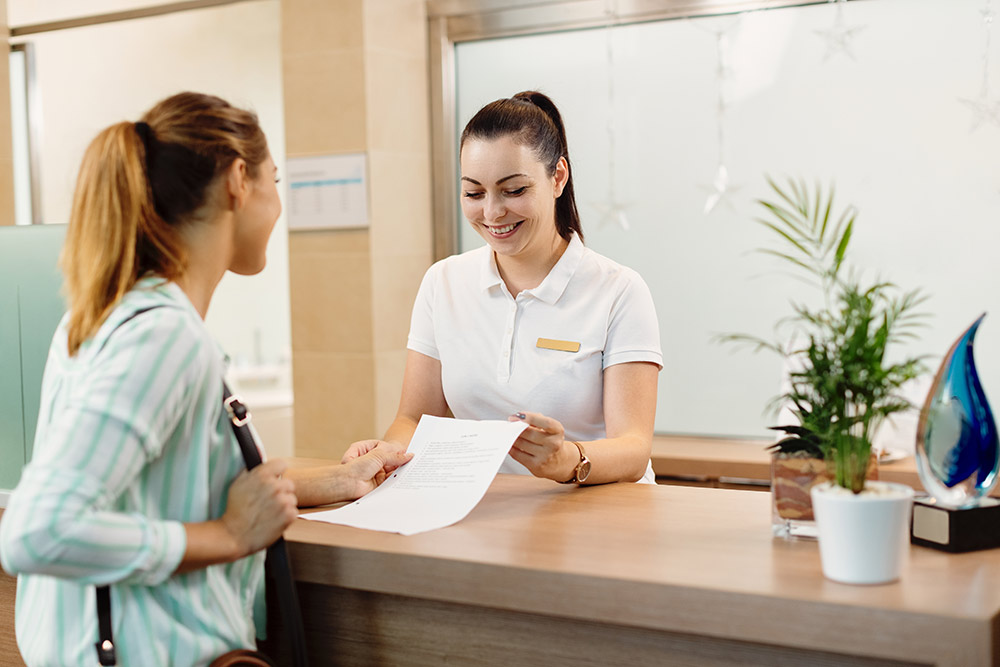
[[583, 470]]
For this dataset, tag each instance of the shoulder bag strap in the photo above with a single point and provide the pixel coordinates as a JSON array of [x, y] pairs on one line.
[[277, 553], [105, 640]]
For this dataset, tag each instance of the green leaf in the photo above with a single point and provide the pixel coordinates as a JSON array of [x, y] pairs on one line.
[[787, 257], [842, 247], [786, 236], [826, 215]]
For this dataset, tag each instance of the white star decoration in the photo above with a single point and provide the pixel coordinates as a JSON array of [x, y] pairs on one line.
[[612, 211], [984, 110], [721, 190], [839, 36]]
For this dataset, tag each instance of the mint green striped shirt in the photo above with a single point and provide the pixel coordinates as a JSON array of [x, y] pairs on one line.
[[131, 443]]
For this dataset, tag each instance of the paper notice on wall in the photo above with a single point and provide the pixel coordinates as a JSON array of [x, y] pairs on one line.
[[327, 192], [454, 461]]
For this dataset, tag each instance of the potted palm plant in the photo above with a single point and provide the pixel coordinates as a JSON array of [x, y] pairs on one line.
[[842, 385]]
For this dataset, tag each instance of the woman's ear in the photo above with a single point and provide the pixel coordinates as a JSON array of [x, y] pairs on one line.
[[238, 183], [561, 176]]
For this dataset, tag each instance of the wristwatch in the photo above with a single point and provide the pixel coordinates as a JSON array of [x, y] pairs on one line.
[[582, 470]]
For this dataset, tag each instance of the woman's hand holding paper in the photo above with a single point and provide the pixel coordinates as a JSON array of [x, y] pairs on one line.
[[370, 469], [543, 448]]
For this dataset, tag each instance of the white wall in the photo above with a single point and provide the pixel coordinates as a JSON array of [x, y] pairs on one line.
[[887, 128], [93, 76]]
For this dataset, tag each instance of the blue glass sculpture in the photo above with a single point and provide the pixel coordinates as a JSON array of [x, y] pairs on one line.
[[958, 450]]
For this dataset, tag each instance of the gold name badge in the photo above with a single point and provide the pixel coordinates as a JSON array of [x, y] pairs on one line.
[[561, 345]]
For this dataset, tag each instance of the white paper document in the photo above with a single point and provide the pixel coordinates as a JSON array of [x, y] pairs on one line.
[[454, 462]]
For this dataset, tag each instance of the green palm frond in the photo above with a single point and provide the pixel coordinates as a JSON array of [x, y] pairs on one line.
[[842, 388]]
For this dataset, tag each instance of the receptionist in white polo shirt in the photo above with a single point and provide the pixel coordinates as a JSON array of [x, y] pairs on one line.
[[534, 325]]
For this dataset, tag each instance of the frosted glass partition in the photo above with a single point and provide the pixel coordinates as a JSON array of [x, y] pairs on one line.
[[882, 120]]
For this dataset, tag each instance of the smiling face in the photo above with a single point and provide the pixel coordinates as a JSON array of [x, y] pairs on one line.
[[508, 196], [256, 220]]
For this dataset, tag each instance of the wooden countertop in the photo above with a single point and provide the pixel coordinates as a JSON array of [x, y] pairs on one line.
[[666, 558]]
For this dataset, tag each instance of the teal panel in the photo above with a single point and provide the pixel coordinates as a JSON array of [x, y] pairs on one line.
[[12, 451], [30, 310], [42, 306]]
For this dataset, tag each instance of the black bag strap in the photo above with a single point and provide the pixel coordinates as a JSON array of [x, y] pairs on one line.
[[277, 553], [105, 643]]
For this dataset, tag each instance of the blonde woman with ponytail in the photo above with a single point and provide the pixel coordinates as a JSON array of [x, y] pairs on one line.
[[136, 479]]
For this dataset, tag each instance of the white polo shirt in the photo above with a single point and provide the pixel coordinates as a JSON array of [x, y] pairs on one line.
[[488, 341]]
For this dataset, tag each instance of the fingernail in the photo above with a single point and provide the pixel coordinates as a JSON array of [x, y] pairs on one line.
[[520, 415]]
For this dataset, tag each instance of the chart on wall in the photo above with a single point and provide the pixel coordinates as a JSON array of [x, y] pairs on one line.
[[327, 192], [674, 127]]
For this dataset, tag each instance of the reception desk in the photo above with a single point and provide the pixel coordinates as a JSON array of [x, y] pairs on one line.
[[545, 574]]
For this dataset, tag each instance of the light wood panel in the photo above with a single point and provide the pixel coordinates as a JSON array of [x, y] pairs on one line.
[[696, 563]]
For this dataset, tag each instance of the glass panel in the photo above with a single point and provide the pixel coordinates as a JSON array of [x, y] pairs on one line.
[[883, 121]]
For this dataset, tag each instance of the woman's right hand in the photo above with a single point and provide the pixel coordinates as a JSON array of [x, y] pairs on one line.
[[260, 506]]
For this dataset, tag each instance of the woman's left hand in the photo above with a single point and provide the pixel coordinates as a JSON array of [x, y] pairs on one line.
[[543, 448], [369, 470]]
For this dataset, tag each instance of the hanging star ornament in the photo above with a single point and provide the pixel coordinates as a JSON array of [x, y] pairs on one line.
[[839, 36], [721, 191], [612, 212], [984, 111]]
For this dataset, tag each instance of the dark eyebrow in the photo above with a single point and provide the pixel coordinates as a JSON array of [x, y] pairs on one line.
[[505, 178]]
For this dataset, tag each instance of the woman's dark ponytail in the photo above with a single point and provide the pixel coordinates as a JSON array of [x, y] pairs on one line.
[[533, 119]]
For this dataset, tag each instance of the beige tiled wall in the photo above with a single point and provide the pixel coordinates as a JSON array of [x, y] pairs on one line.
[[397, 92], [6, 151], [355, 78]]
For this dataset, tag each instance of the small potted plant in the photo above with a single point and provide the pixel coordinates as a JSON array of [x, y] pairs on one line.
[[842, 386]]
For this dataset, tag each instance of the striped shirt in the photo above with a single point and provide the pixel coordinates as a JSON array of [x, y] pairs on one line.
[[131, 443]]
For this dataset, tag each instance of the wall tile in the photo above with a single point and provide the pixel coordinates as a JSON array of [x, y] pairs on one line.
[[399, 26], [324, 103], [397, 98], [400, 208], [6, 189], [331, 303], [321, 25], [339, 242], [389, 368], [276, 429], [339, 407], [395, 281]]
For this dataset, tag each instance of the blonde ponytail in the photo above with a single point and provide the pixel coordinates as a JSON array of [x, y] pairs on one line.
[[111, 223], [140, 184]]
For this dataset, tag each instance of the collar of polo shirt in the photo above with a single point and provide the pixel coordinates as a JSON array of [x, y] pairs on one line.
[[554, 284]]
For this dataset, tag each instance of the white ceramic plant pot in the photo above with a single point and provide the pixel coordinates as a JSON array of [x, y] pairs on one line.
[[863, 538]]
